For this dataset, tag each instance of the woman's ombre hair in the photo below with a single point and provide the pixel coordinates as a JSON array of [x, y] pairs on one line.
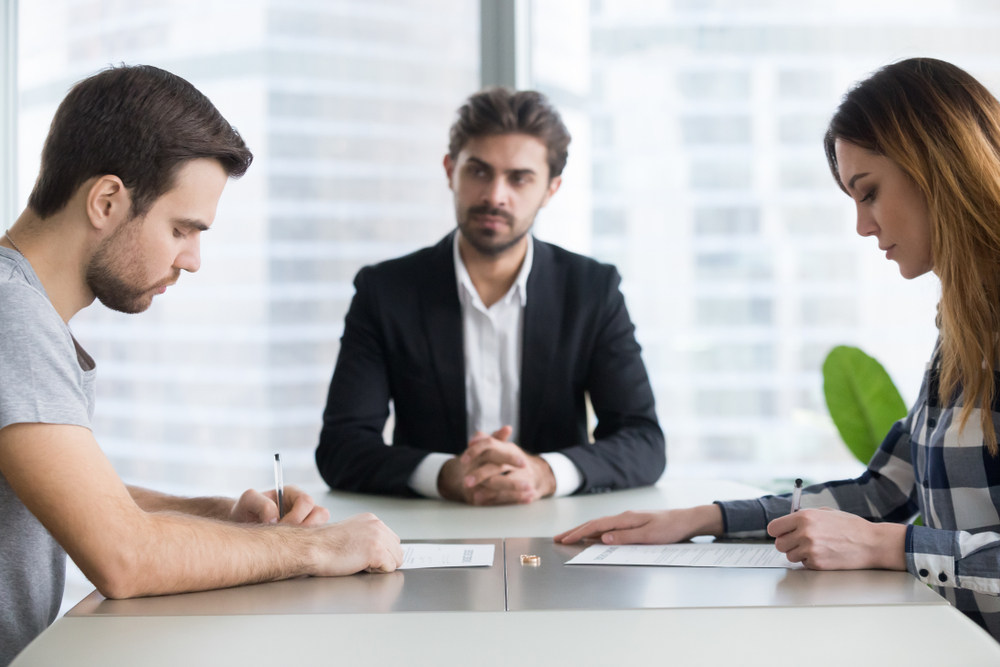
[[942, 127]]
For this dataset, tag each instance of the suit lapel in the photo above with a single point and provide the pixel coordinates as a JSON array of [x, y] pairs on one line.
[[442, 318], [542, 323]]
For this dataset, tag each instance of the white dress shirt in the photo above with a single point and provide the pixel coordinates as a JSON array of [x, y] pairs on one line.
[[492, 340]]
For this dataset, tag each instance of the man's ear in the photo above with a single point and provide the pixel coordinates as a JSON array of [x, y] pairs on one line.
[[551, 189], [108, 203], [449, 169]]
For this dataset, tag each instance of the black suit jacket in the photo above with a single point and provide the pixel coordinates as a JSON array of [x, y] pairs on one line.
[[403, 341]]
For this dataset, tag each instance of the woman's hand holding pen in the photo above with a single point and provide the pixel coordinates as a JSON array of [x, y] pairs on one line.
[[826, 539], [660, 527], [300, 509]]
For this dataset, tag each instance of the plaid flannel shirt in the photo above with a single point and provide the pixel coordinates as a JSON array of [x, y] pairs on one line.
[[924, 466]]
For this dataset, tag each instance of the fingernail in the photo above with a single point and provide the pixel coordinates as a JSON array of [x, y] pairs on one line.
[[608, 539], [272, 521], [470, 481]]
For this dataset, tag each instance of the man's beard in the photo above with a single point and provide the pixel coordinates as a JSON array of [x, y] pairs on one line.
[[117, 270], [482, 239]]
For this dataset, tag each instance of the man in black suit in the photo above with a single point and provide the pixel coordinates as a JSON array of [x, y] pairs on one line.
[[487, 342]]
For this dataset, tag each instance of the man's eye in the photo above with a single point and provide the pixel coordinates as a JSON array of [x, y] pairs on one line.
[[177, 233]]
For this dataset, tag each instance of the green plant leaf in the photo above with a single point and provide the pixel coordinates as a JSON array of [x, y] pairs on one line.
[[863, 401]]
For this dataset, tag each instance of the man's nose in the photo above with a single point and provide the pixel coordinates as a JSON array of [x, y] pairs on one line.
[[498, 193], [189, 258]]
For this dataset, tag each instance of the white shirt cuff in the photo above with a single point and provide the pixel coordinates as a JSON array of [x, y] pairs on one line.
[[568, 478], [424, 479]]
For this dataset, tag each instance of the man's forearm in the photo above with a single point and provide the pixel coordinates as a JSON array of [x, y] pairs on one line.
[[167, 552], [154, 501]]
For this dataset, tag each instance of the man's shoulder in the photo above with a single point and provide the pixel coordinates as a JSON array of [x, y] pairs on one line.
[[27, 317], [580, 268], [20, 299], [409, 268]]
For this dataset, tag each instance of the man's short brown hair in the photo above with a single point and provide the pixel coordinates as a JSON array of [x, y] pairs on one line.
[[500, 110], [139, 123]]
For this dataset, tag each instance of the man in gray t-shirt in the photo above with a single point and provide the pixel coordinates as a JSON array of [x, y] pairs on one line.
[[34, 343], [132, 172]]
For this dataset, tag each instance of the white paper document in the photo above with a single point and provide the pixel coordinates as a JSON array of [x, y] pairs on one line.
[[710, 554], [419, 556]]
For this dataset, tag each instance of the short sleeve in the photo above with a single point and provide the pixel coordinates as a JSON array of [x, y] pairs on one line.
[[40, 377]]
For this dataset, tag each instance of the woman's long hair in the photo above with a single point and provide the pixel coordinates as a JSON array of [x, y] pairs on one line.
[[942, 127]]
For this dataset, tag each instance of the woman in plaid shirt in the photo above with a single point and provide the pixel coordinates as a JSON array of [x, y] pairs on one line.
[[917, 146]]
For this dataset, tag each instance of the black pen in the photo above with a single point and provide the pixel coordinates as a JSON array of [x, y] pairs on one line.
[[796, 496], [279, 487]]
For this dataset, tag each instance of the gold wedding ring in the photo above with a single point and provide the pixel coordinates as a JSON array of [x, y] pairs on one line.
[[530, 560]]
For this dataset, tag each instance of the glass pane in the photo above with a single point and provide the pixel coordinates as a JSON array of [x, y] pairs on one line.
[[699, 124], [346, 107]]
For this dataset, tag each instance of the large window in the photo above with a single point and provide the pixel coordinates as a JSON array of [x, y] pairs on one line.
[[696, 167], [709, 190], [347, 107]]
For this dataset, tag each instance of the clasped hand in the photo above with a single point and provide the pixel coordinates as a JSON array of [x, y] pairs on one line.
[[493, 471]]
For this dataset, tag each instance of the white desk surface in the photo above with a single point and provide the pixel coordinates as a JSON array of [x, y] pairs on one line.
[[918, 636], [911, 635], [552, 585], [425, 590], [425, 519]]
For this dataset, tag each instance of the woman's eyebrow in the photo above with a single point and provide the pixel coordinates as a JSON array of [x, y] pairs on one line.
[[850, 184]]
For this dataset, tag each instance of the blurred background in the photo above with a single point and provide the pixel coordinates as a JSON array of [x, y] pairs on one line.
[[696, 168]]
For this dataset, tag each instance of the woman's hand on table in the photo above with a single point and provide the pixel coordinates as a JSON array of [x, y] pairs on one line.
[[826, 539], [657, 527]]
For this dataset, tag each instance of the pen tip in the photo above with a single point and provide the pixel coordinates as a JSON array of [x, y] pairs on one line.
[[276, 457], [798, 482]]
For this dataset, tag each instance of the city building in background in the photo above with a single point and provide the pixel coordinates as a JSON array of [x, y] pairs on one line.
[[346, 107], [711, 193], [696, 167]]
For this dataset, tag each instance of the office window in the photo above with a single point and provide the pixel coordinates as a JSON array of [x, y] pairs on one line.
[[346, 107], [710, 192]]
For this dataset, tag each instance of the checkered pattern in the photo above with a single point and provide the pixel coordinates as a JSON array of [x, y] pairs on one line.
[[924, 466]]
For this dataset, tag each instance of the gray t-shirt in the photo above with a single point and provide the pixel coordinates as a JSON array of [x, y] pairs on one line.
[[45, 376]]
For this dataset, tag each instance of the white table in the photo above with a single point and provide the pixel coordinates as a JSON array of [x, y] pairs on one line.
[[419, 519], [927, 632], [919, 636]]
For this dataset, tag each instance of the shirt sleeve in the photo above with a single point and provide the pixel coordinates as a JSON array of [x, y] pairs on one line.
[[954, 558], [885, 492], [424, 479], [568, 478], [40, 377]]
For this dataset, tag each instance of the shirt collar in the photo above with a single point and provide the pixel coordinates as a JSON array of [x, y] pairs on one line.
[[518, 289]]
